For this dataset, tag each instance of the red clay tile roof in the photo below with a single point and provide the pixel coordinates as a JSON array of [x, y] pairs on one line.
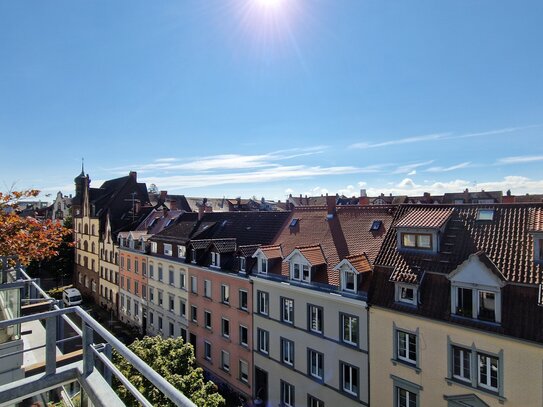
[[505, 240], [360, 262], [426, 217], [313, 254], [272, 252], [536, 220], [347, 233]]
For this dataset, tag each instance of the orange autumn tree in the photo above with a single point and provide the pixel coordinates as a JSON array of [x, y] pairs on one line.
[[26, 237]]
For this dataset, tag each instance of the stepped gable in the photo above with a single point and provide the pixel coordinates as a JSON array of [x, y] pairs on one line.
[[345, 233]]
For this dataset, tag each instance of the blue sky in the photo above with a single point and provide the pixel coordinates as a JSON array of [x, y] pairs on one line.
[[239, 98]]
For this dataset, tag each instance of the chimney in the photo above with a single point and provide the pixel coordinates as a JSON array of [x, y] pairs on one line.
[[330, 206], [173, 204], [508, 198], [133, 175], [427, 194], [201, 209]]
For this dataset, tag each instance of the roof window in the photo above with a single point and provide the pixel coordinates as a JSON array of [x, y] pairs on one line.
[[376, 225], [293, 223], [485, 214]]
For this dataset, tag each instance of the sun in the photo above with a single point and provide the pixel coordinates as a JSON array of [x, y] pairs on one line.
[[269, 3]]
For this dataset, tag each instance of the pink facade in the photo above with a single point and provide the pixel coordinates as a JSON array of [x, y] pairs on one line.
[[221, 303]]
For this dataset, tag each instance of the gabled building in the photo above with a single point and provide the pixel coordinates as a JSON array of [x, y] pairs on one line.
[[200, 288], [310, 337], [99, 215], [467, 197], [455, 315]]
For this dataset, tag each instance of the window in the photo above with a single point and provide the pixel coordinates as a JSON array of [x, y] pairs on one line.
[[263, 265], [172, 329], [160, 324], [406, 293], [349, 329], [287, 394], [263, 302], [225, 327], [349, 379], [128, 261], [136, 288], [293, 223], [207, 350], [376, 225], [300, 272], [144, 291], [243, 336], [128, 305], [348, 280], [207, 288], [225, 294], [485, 214], [287, 352], [128, 284], [315, 319], [287, 310], [171, 301], [314, 402], [151, 318], [488, 371], [316, 364], [243, 371], [407, 347], [182, 280], [136, 268], [225, 361], [143, 268], [461, 363], [160, 276], [151, 271], [417, 241], [171, 278], [194, 313], [207, 319], [153, 247], [263, 338], [160, 296], [167, 249], [193, 284], [215, 259], [152, 294], [242, 263], [193, 254], [243, 297], [477, 304], [181, 251], [182, 308], [405, 398]]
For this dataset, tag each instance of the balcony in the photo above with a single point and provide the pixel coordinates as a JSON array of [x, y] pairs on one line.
[[32, 364]]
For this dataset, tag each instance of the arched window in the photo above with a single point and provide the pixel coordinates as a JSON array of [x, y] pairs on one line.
[[79, 278], [86, 281], [86, 262], [93, 230], [93, 247], [116, 258], [86, 229], [86, 246], [79, 227], [93, 285], [92, 265], [102, 290]]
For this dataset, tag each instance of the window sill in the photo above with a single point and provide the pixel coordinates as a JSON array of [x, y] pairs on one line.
[[466, 385], [245, 383], [400, 362]]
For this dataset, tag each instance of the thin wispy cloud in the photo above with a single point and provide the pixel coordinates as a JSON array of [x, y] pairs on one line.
[[409, 168], [520, 159], [436, 137], [450, 168]]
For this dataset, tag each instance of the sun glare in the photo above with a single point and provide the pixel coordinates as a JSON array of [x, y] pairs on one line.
[[270, 3]]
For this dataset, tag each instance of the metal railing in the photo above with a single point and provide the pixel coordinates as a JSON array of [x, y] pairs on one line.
[[90, 350]]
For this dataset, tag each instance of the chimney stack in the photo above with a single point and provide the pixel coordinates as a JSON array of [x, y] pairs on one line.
[[508, 198], [363, 199], [133, 175], [330, 206]]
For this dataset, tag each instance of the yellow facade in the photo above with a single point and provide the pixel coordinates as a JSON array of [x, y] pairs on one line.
[[520, 363]]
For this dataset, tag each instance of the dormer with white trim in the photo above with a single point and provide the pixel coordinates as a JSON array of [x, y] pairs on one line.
[[351, 271], [476, 289], [302, 262], [265, 255]]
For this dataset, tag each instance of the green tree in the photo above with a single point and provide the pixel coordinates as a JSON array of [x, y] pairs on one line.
[[174, 360]]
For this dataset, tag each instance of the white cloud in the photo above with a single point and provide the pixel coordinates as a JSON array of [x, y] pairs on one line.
[[451, 168], [520, 159], [436, 137], [414, 172], [408, 168]]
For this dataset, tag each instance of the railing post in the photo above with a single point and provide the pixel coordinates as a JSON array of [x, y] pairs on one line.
[[88, 356], [107, 372], [51, 345]]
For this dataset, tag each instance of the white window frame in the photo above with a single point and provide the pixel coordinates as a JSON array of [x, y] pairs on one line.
[[347, 272], [349, 386], [207, 350], [215, 260], [242, 264], [225, 360], [316, 318], [243, 305], [168, 249], [263, 298], [287, 352], [351, 331], [206, 324], [287, 310], [242, 328], [154, 247], [316, 364], [287, 394], [181, 251], [399, 290], [475, 290], [243, 371], [194, 284], [462, 352], [263, 337], [225, 293], [263, 265], [407, 348], [225, 322], [207, 288], [488, 359]]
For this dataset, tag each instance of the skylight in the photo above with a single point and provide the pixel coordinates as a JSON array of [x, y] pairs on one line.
[[293, 222], [485, 214], [376, 225]]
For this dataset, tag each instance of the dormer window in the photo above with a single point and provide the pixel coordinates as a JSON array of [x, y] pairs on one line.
[[300, 272], [168, 249], [417, 241], [153, 247], [348, 280], [181, 251], [242, 263], [263, 265], [476, 304], [485, 214], [406, 293], [193, 253], [215, 259], [538, 248]]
